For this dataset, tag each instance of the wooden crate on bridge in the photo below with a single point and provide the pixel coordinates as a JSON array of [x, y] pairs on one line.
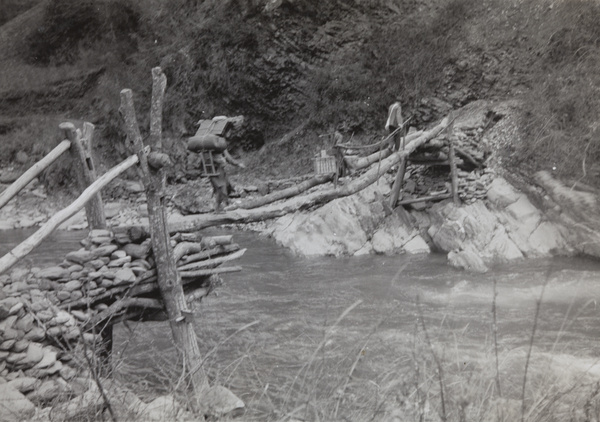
[[325, 164]]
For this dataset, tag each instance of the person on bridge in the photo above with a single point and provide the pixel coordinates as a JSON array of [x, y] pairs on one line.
[[395, 121], [214, 156], [222, 187]]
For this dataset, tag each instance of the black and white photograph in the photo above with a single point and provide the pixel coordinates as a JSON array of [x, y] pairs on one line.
[[300, 210]]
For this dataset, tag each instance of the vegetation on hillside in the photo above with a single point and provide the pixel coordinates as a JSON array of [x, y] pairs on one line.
[[306, 68]]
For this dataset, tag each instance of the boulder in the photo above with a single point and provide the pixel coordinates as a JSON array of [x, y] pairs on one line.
[[24, 384], [501, 194], [20, 346], [95, 264], [119, 262], [46, 392], [382, 242], [522, 219], [164, 408], [14, 406], [81, 256], [124, 275], [72, 285], [340, 227], [118, 254], [137, 251], [467, 259], [547, 238], [449, 236], [104, 250], [34, 355], [15, 288], [48, 359], [501, 248], [218, 401], [416, 245], [36, 334]]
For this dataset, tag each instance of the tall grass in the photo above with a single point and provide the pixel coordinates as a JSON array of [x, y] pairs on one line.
[[562, 107], [337, 373]]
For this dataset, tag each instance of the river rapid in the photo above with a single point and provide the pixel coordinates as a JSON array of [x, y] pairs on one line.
[[270, 333]]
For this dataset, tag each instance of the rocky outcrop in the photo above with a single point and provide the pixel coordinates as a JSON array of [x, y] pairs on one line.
[[354, 225], [577, 207], [505, 227]]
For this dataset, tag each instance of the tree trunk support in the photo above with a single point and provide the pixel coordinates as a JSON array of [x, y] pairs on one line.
[[398, 182], [81, 153], [169, 279], [453, 172]]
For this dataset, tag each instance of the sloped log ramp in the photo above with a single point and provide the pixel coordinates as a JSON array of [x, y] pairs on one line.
[[284, 193], [198, 222]]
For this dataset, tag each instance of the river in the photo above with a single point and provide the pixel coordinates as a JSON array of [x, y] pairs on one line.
[[289, 344]]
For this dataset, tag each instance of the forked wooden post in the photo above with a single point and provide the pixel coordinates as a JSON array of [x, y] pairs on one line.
[[81, 152], [169, 280]]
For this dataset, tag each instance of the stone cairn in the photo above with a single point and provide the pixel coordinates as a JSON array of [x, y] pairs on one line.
[[50, 318]]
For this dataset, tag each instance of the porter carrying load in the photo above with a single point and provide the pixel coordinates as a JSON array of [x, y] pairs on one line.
[[213, 153]]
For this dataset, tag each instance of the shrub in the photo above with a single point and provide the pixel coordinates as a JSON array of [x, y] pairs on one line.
[[67, 26]]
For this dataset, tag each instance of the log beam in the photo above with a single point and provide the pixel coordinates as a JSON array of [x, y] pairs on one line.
[[20, 251], [33, 172], [198, 222], [284, 193], [426, 198]]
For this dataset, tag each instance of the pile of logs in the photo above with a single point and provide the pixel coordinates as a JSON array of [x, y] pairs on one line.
[[469, 155]]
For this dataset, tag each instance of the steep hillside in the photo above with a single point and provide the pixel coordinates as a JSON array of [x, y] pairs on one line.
[[300, 69]]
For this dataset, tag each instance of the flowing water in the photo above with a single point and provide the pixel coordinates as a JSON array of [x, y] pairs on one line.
[[271, 330]]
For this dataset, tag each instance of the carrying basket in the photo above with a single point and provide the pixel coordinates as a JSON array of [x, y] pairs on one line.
[[325, 164]]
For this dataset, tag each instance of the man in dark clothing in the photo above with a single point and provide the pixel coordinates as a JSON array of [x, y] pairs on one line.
[[220, 182]]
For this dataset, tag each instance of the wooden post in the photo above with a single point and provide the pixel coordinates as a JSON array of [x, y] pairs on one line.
[[398, 182], [169, 280], [81, 153], [33, 171], [453, 172], [82, 157]]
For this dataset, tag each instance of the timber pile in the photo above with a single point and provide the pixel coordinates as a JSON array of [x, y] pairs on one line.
[[467, 145], [426, 182], [49, 317]]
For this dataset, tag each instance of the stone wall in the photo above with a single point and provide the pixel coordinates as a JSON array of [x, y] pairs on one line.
[[44, 313]]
